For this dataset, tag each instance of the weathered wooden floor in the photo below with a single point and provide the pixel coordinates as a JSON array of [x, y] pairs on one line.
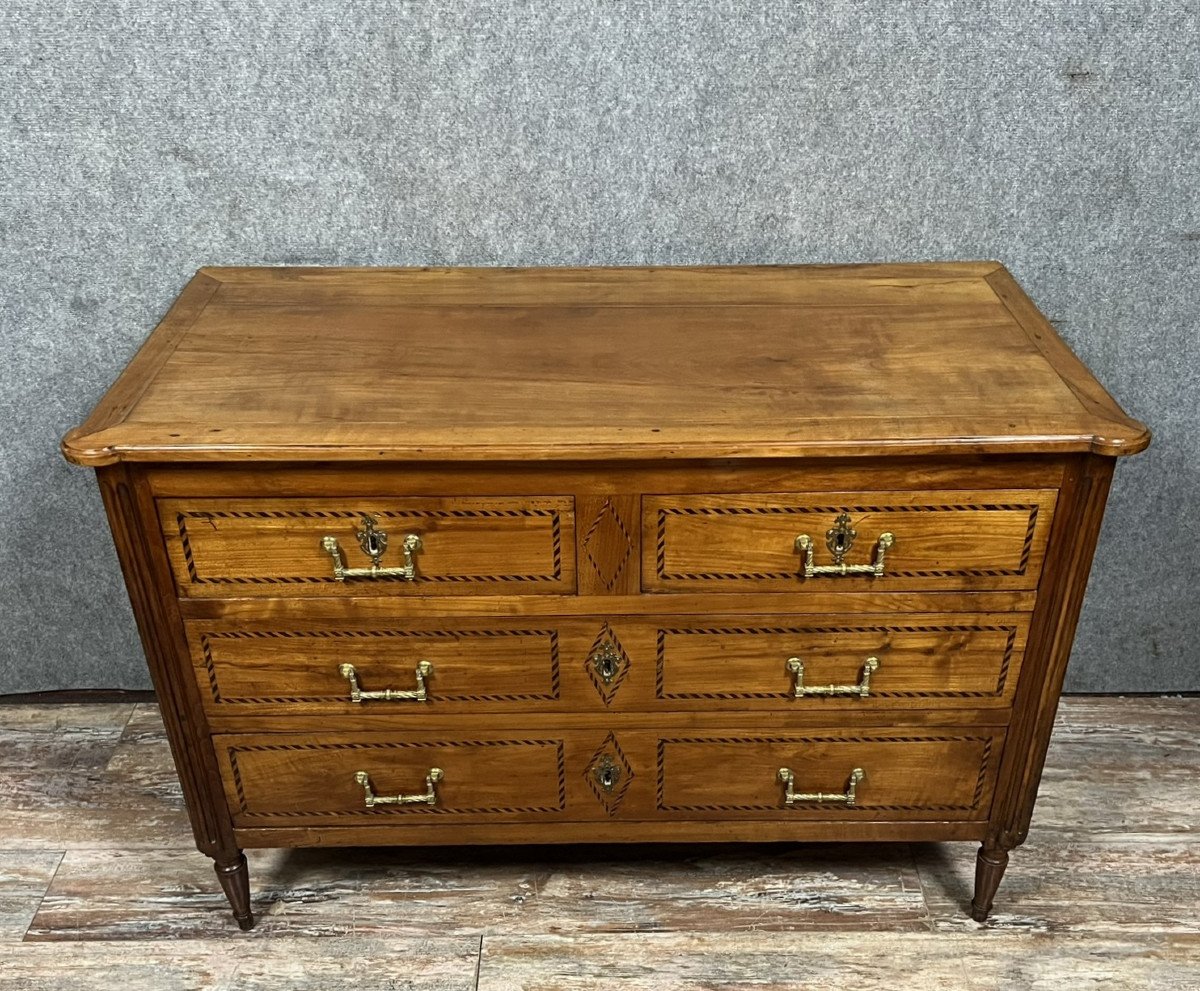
[[101, 887]]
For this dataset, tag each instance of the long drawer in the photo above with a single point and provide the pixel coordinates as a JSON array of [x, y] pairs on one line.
[[770, 663], [640, 774]]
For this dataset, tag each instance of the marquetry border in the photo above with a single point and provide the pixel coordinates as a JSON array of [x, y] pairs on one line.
[[610, 801], [434, 696], [663, 633], [608, 511], [607, 692], [664, 511], [232, 753], [840, 810], [554, 516]]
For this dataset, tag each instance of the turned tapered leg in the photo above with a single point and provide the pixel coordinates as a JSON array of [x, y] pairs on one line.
[[989, 869], [235, 880]]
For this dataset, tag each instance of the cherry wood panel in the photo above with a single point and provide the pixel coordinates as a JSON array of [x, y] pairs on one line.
[[604, 480], [255, 720], [927, 661], [433, 832], [488, 364], [943, 539], [313, 777], [502, 666], [805, 602], [609, 543], [264, 547], [730, 775]]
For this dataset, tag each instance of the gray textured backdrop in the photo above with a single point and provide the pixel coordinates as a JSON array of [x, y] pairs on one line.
[[139, 141]]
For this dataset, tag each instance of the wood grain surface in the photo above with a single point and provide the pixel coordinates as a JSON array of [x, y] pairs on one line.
[[468, 546], [710, 663], [990, 539], [374, 365]]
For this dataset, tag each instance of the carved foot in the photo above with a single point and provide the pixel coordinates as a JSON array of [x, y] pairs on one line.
[[235, 882], [989, 869]]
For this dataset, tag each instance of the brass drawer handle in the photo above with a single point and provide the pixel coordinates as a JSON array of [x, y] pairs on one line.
[[373, 542], [862, 689], [424, 670], [839, 538], [790, 797], [429, 797]]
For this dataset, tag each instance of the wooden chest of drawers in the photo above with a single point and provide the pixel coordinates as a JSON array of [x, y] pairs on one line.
[[504, 556]]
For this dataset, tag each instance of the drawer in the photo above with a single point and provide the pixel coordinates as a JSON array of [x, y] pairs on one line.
[[413, 672], [947, 539], [635, 774], [782, 663], [423, 546], [429, 667], [933, 774], [288, 779]]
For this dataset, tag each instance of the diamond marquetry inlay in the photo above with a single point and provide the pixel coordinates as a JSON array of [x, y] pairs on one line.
[[607, 545], [609, 775], [606, 663]]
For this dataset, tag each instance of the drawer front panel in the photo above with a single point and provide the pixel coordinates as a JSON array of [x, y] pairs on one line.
[[433, 667], [780, 663], [950, 539], [286, 780], [513, 665], [274, 547], [945, 775], [636, 774]]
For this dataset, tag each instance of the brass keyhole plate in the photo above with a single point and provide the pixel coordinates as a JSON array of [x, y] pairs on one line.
[[607, 773], [839, 538], [607, 662]]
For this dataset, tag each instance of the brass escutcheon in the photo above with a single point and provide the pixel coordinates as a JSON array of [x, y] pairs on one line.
[[606, 660], [607, 773], [839, 538]]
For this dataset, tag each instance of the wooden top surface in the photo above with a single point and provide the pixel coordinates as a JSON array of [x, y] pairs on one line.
[[436, 364]]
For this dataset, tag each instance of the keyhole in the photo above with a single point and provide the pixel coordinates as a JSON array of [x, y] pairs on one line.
[[840, 541], [606, 661], [607, 774]]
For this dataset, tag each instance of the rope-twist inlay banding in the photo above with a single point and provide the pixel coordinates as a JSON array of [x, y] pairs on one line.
[[980, 784], [665, 511], [239, 786], [663, 633], [208, 636], [554, 517]]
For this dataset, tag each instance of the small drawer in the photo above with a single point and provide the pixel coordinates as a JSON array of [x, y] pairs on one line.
[[401, 672], [897, 540], [384, 546], [780, 663], [942, 774], [379, 778]]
